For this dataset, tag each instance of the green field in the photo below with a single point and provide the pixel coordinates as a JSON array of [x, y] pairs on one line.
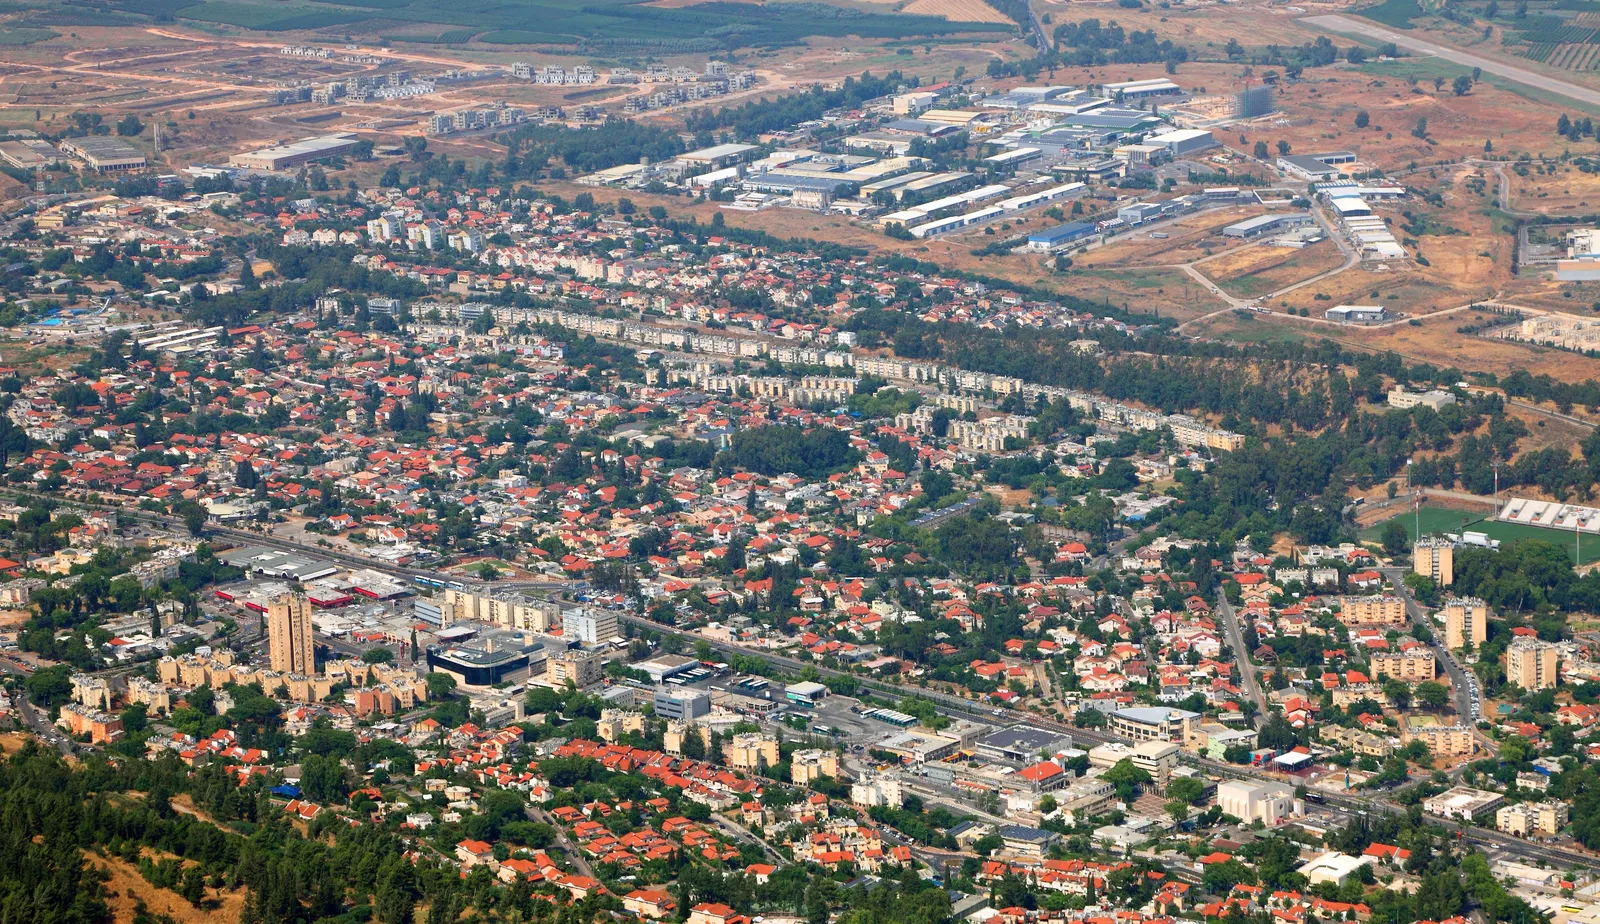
[[611, 24], [1396, 14], [1449, 520]]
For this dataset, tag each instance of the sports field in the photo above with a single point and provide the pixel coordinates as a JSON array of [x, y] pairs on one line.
[[1450, 520]]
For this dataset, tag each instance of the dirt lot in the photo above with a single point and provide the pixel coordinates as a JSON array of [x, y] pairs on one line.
[[127, 888], [1559, 189], [1264, 268], [1188, 239]]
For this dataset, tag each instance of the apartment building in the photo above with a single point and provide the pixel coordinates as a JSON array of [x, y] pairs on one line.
[[1532, 664], [1435, 557], [1466, 622], [1372, 611], [812, 763], [1532, 819], [751, 751], [1447, 740], [1413, 665]]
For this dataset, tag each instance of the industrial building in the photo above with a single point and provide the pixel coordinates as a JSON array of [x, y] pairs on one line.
[[297, 153], [1307, 167], [1181, 141], [1267, 224], [105, 155], [1060, 235], [1357, 314]]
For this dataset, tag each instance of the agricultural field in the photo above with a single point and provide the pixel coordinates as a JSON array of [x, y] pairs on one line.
[[957, 10], [614, 25]]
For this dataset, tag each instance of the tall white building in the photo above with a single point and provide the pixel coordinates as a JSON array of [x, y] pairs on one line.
[[591, 626]]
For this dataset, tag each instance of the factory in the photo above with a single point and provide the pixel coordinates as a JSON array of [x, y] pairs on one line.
[[105, 155], [1267, 224], [294, 154]]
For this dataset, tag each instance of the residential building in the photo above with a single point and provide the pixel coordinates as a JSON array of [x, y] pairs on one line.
[[751, 751], [1372, 611], [1532, 664], [1466, 622], [582, 669], [1447, 740], [1532, 819], [289, 635], [1412, 665], [591, 626], [810, 764], [1434, 557]]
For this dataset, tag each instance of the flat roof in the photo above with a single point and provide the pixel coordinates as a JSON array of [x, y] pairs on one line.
[[718, 151], [1020, 737], [304, 146]]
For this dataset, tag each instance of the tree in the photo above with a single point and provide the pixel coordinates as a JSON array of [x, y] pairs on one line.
[[1362, 119], [378, 656], [1283, 149], [1396, 540], [1421, 131], [440, 685], [193, 515], [1461, 85], [1261, 152], [1431, 694], [1356, 54], [130, 126]]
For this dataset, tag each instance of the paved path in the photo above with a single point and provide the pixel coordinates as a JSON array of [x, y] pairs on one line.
[[1409, 42]]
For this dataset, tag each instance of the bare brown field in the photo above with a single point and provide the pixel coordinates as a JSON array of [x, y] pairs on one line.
[[957, 10], [1560, 189], [1189, 239], [1171, 293], [1264, 268], [129, 889]]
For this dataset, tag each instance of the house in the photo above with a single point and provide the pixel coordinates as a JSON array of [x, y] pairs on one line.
[[649, 903], [715, 913]]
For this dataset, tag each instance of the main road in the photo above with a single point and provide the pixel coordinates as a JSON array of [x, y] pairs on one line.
[[1247, 672], [1352, 25]]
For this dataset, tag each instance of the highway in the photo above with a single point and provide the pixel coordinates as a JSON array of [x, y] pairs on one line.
[[1354, 25]]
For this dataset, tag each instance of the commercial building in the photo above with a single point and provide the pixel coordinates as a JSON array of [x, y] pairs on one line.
[[806, 692], [485, 665], [289, 635], [1435, 557], [1023, 841], [105, 155], [1141, 89], [1357, 314], [1022, 744], [1157, 758], [591, 626], [1466, 621], [1464, 803], [1372, 611], [1532, 664], [1333, 868], [1537, 819], [297, 153], [685, 705], [1268, 803], [1413, 665], [1154, 723], [1446, 740], [720, 155], [660, 667], [1405, 400], [1268, 224]]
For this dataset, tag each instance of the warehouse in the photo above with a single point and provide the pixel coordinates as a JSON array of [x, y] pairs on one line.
[[1307, 168], [1350, 207], [297, 153], [1051, 238], [105, 155], [952, 223], [1013, 158], [720, 155], [1266, 224], [1139, 89], [1358, 314], [1183, 141], [1068, 191]]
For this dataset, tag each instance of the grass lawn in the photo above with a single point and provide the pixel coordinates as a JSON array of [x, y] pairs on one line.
[[1449, 520]]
